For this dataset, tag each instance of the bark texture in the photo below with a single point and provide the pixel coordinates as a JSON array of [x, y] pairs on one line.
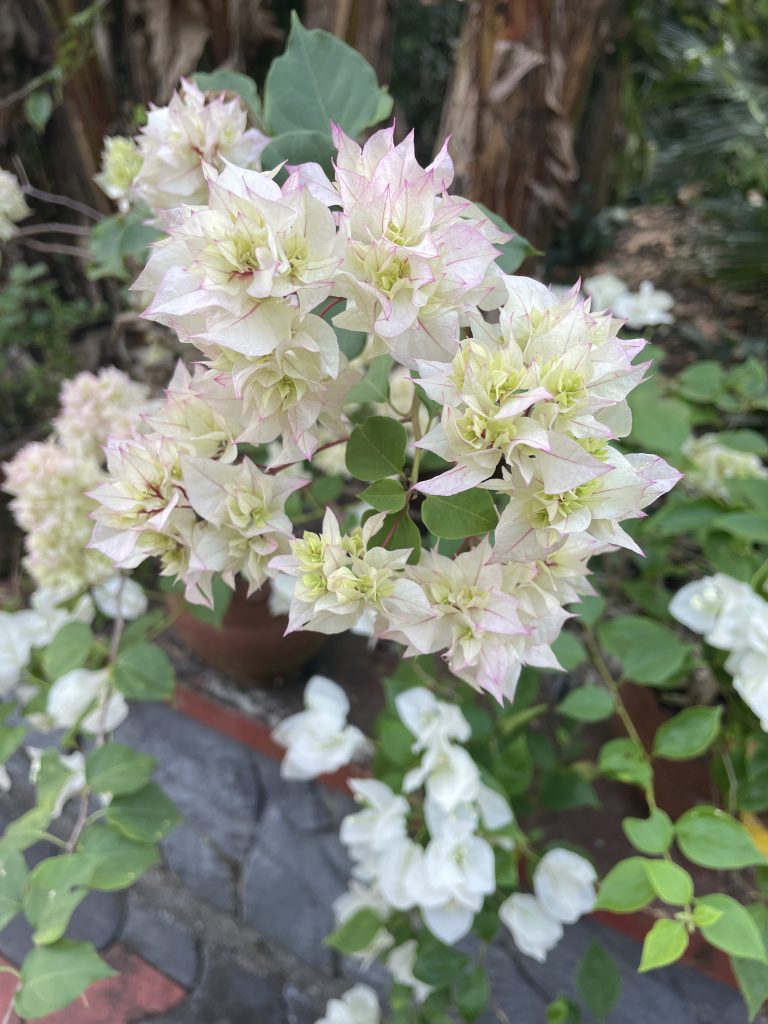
[[523, 76], [134, 52]]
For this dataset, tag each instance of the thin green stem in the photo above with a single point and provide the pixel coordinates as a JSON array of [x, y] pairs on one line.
[[614, 688]]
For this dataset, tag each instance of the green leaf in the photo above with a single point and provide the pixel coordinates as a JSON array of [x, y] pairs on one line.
[[140, 629], [713, 839], [598, 980], [68, 650], [38, 107], [744, 441], [664, 944], [514, 768], [376, 449], [659, 424], [436, 963], [53, 976], [11, 738], [374, 387], [751, 975], [472, 991], [115, 861], [317, 80], [26, 830], [624, 760], [748, 491], [115, 768], [653, 834], [356, 933], [399, 531], [735, 930], [587, 704], [55, 888], [227, 80], [13, 878], [116, 238], [687, 734], [590, 608], [146, 816], [384, 495], [562, 789], [569, 651], [685, 515], [395, 741], [744, 525], [453, 517], [513, 252], [648, 652], [701, 382], [626, 887], [670, 882], [51, 779], [730, 555], [704, 916], [300, 147], [563, 1011], [351, 343], [144, 672]]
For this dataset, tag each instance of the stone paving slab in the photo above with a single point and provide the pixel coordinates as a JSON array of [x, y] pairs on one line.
[[236, 916]]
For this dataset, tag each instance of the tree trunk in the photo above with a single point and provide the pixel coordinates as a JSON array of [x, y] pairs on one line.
[[135, 53], [523, 74]]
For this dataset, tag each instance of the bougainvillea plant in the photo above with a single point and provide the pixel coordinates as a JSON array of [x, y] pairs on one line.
[[337, 300]]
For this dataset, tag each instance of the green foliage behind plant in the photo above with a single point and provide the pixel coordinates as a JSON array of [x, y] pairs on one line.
[[36, 354]]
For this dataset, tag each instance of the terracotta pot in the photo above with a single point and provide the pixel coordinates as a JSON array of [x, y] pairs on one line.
[[679, 785], [250, 644]]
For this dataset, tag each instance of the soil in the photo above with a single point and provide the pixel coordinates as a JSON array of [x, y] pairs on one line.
[[662, 244]]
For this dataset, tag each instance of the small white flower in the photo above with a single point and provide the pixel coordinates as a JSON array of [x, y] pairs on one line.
[[47, 614], [360, 897], [534, 932], [120, 597], [564, 884], [15, 649], [697, 605], [380, 823], [714, 464], [13, 206], [457, 873], [73, 693], [604, 289], [430, 720], [74, 783], [448, 773], [718, 607], [360, 1005], [120, 163], [495, 812], [318, 739], [400, 965], [400, 874], [645, 308], [750, 680]]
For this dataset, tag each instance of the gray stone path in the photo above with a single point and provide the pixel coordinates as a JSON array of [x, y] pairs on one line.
[[238, 912]]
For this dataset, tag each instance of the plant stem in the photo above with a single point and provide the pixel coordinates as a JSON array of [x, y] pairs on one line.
[[51, 229], [82, 813], [614, 688], [416, 426]]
